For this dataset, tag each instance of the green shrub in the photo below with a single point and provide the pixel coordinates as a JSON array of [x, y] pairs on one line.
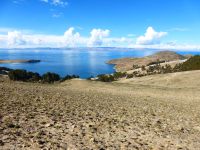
[[106, 78], [129, 76], [151, 69], [136, 66], [167, 69], [118, 75], [157, 69], [23, 75], [177, 68], [156, 62], [192, 63], [18, 75], [50, 77], [138, 74], [143, 68], [33, 76]]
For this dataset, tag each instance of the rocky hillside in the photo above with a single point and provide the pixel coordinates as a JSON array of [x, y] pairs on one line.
[[158, 112], [125, 64]]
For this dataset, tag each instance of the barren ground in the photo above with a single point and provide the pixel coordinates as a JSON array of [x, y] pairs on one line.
[[153, 112]]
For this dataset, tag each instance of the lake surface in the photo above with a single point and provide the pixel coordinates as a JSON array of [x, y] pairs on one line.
[[84, 62]]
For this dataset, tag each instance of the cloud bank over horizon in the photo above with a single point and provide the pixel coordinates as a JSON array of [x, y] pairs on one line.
[[97, 38], [151, 37]]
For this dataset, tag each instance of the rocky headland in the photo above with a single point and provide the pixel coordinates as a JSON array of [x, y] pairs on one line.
[[126, 64]]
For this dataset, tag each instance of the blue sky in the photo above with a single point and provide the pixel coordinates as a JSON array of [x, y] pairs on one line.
[[123, 23]]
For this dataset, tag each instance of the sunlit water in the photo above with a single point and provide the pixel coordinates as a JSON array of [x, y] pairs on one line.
[[84, 62]]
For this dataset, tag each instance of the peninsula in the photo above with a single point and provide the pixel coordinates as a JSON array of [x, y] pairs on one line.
[[19, 61], [126, 64]]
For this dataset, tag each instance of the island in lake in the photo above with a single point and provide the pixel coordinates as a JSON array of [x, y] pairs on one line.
[[20, 61]]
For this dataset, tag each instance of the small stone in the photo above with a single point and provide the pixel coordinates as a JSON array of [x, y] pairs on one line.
[[11, 125], [48, 125], [1, 143], [5, 137], [41, 142], [63, 145]]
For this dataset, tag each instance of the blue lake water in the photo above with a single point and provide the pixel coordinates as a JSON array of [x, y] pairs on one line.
[[84, 62]]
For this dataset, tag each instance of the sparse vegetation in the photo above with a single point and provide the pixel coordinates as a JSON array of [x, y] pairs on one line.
[[110, 78], [23, 75], [156, 62], [50, 77], [118, 75], [136, 66], [106, 78], [129, 76], [193, 63], [167, 69], [143, 68]]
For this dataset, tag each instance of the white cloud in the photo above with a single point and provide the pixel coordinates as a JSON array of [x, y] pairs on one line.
[[61, 3], [15, 38], [46, 1], [71, 38], [17, 1], [151, 37], [56, 12], [97, 37]]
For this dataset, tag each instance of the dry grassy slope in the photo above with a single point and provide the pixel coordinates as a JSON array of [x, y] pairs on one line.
[[185, 79], [154, 112], [125, 64]]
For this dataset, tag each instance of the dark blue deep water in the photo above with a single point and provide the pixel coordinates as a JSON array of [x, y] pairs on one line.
[[84, 62]]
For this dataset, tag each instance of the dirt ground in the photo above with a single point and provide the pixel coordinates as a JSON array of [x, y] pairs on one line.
[[153, 112]]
